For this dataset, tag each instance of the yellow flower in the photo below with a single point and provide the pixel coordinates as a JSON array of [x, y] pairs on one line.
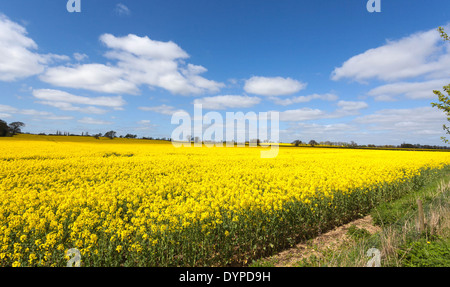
[[32, 257], [89, 193]]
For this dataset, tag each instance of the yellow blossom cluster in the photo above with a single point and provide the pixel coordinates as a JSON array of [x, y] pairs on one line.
[[114, 197]]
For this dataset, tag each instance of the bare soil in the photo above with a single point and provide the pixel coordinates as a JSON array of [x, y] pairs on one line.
[[331, 239]]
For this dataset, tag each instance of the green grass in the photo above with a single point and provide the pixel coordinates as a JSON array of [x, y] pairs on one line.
[[400, 242], [393, 212], [422, 253]]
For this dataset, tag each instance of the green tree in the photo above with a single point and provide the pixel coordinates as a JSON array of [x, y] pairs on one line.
[[110, 134], [444, 100], [15, 127], [4, 129]]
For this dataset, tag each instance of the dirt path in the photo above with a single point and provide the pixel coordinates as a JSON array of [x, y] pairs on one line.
[[331, 239]]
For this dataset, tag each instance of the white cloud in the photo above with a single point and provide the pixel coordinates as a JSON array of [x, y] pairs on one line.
[[80, 57], [227, 101], [69, 107], [420, 54], [351, 106], [8, 109], [144, 47], [145, 125], [304, 114], [94, 77], [59, 118], [322, 129], [144, 122], [345, 108], [304, 99], [122, 10], [65, 101], [422, 120], [57, 96], [163, 109], [31, 112], [276, 86], [91, 121], [18, 57], [411, 90], [388, 126], [140, 61]]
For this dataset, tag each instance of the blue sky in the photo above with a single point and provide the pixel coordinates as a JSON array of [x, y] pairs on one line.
[[333, 70]]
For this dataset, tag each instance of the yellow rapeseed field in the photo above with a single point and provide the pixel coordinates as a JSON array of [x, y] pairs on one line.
[[145, 203]]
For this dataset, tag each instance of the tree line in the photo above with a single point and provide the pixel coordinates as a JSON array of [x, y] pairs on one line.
[[9, 130], [353, 144]]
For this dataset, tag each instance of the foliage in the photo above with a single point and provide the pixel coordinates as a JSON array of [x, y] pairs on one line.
[[392, 213], [15, 127], [110, 134], [4, 129], [426, 253], [444, 100], [357, 233]]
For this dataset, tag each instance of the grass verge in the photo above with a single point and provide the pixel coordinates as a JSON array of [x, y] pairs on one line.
[[400, 241]]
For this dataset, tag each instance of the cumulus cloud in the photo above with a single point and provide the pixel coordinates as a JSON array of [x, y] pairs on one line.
[[7, 111], [69, 107], [344, 109], [122, 10], [143, 47], [303, 114], [276, 86], [66, 101], [410, 90], [332, 131], [61, 96], [304, 99], [92, 121], [144, 122], [145, 125], [387, 126], [94, 77], [163, 109], [139, 61], [18, 56], [351, 107], [227, 101], [401, 122], [80, 57], [420, 54]]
